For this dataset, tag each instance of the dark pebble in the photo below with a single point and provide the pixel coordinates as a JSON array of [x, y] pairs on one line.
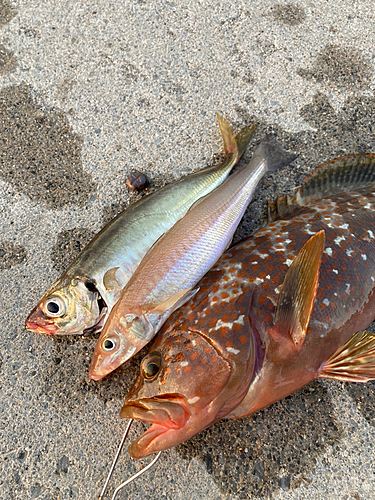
[[136, 181]]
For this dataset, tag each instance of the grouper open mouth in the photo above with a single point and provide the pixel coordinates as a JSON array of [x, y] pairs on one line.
[[166, 414]]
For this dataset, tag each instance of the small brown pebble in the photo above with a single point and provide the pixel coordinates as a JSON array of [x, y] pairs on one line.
[[136, 181]]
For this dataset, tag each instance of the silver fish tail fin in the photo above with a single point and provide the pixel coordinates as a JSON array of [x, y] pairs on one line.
[[229, 139], [243, 138], [273, 154]]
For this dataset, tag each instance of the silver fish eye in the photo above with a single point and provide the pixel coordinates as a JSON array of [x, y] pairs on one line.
[[109, 344], [55, 307]]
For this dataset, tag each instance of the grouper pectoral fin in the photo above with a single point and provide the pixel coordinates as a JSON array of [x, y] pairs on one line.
[[297, 296], [354, 361]]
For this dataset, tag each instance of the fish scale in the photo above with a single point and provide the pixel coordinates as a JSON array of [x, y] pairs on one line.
[[271, 328]]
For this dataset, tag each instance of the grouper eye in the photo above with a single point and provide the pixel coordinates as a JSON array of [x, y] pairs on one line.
[[150, 366], [55, 307]]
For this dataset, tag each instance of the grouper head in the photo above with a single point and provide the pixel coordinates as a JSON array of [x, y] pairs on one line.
[[181, 389], [71, 306]]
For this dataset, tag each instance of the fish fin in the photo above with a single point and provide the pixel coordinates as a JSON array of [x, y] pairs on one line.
[[354, 361], [229, 139], [297, 295], [275, 156], [110, 280], [174, 302], [341, 174], [243, 138]]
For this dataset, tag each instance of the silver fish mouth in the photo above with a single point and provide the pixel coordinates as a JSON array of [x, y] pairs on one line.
[[167, 414], [41, 326]]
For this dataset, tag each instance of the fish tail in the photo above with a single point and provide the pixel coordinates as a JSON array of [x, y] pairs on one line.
[[243, 138], [274, 155], [229, 139]]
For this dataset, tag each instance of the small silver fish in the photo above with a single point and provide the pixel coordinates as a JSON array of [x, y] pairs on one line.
[[167, 275], [82, 298]]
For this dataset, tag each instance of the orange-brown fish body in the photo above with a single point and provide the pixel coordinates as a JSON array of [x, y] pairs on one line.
[[223, 354]]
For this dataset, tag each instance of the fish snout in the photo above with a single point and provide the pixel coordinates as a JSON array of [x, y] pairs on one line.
[[168, 416], [111, 351], [37, 322], [169, 411]]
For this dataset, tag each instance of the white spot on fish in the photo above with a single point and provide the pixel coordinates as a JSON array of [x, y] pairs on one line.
[[347, 290], [364, 256], [335, 271], [193, 400], [320, 324], [372, 278], [328, 251], [338, 239], [371, 234], [268, 277], [184, 363], [344, 226], [221, 323], [255, 262], [326, 302], [240, 319], [308, 228], [257, 281], [349, 252], [232, 350], [288, 262], [369, 206]]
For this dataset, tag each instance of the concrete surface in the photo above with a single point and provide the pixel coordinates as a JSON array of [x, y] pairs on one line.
[[92, 90]]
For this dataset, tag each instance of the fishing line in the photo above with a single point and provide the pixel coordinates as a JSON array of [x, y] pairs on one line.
[[131, 478]]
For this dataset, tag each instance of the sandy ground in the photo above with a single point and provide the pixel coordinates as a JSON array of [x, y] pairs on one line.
[[93, 90]]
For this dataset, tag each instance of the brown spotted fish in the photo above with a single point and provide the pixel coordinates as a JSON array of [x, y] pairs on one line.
[[278, 310]]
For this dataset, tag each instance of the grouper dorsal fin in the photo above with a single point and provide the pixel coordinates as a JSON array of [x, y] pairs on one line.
[[335, 176], [297, 296]]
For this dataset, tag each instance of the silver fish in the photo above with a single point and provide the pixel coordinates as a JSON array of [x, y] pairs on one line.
[[167, 275], [82, 298]]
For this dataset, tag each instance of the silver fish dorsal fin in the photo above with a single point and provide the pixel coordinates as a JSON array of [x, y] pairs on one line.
[[335, 176]]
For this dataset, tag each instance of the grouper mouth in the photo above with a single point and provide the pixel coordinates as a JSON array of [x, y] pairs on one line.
[[167, 415]]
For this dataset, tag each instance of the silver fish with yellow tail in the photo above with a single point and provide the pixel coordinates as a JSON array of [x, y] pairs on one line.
[[278, 310], [83, 297], [166, 277]]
